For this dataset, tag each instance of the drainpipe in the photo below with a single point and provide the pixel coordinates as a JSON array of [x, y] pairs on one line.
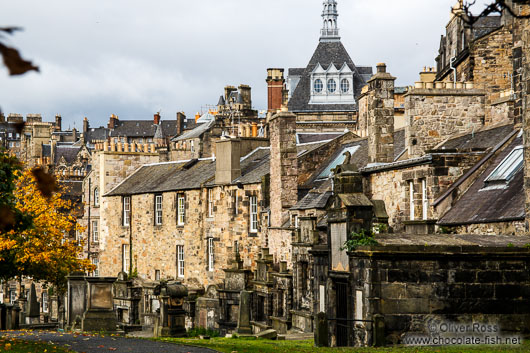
[[89, 220], [453, 59], [130, 237]]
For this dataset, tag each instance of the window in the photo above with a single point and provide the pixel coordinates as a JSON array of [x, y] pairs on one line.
[[96, 197], [125, 258], [332, 86], [180, 260], [294, 221], [126, 215], [44, 301], [192, 146], [236, 202], [95, 232], [508, 167], [157, 275], [210, 254], [181, 209], [210, 202], [13, 296], [95, 262], [253, 214], [344, 85], [424, 200], [318, 86], [158, 210], [411, 199]]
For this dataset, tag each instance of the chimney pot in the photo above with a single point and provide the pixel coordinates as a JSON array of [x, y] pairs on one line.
[[381, 67]]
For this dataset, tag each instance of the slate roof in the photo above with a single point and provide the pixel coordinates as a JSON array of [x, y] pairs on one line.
[[142, 128], [326, 53], [486, 25], [480, 205], [313, 200], [313, 137], [97, 134], [479, 140], [68, 152], [194, 133]]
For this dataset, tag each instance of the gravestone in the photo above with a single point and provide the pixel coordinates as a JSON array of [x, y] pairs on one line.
[[99, 314], [76, 303], [321, 330], [172, 321], [32, 307], [243, 323]]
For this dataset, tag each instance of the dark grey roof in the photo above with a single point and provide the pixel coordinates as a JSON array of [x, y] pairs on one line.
[[255, 167], [479, 205], [479, 140], [46, 150], [314, 137], [486, 25], [194, 133], [159, 133], [399, 143], [68, 152], [326, 53], [97, 134], [221, 101], [296, 71], [142, 128], [313, 200]]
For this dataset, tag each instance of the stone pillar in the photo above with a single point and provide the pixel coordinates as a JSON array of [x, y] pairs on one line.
[[321, 330], [32, 307], [76, 297], [379, 103], [283, 166]]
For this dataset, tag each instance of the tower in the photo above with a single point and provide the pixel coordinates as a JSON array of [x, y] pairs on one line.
[[330, 31]]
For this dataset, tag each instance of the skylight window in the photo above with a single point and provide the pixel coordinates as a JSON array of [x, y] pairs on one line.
[[508, 167], [337, 161]]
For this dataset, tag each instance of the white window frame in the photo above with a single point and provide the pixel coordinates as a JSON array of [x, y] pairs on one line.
[[125, 257], [44, 299], [181, 209], [411, 199], [236, 202], [210, 202], [158, 210], [424, 199], [96, 196], [180, 261], [294, 219], [192, 146], [12, 296], [157, 275], [95, 232], [210, 255], [95, 262], [126, 214], [253, 212], [508, 166]]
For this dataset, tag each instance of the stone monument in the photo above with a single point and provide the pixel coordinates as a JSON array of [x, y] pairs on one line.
[[32, 307], [243, 324], [99, 314], [76, 304], [172, 321]]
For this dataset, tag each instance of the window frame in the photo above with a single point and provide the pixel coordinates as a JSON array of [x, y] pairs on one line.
[[411, 200], [125, 257], [95, 231], [508, 167], [424, 199], [344, 83], [331, 85], [126, 211], [44, 300], [96, 196], [158, 210], [181, 209], [95, 262], [318, 85], [181, 264], [210, 254], [209, 196], [253, 214]]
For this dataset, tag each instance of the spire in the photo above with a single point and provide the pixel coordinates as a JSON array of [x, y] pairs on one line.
[[330, 31]]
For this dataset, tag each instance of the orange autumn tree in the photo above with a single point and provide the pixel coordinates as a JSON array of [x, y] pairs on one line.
[[43, 251]]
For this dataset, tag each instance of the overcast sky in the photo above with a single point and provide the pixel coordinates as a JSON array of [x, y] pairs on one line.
[[134, 58]]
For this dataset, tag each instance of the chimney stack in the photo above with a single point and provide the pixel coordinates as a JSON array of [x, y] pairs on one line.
[[86, 125], [228, 91], [275, 88], [113, 121], [246, 96], [2, 118], [58, 123], [181, 123], [156, 118], [227, 162]]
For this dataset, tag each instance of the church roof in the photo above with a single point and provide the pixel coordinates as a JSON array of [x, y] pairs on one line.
[[326, 53]]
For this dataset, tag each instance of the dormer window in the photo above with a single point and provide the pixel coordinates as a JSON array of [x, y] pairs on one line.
[[344, 85], [506, 170], [332, 86], [318, 85]]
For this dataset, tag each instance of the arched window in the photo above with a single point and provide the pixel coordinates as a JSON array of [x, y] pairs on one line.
[[332, 86], [344, 85], [96, 197], [318, 86]]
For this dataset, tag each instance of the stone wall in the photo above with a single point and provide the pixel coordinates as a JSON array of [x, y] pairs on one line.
[[433, 115], [504, 228], [414, 287], [225, 227]]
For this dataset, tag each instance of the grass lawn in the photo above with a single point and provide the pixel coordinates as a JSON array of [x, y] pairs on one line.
[[251, 345], [17, 346]]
